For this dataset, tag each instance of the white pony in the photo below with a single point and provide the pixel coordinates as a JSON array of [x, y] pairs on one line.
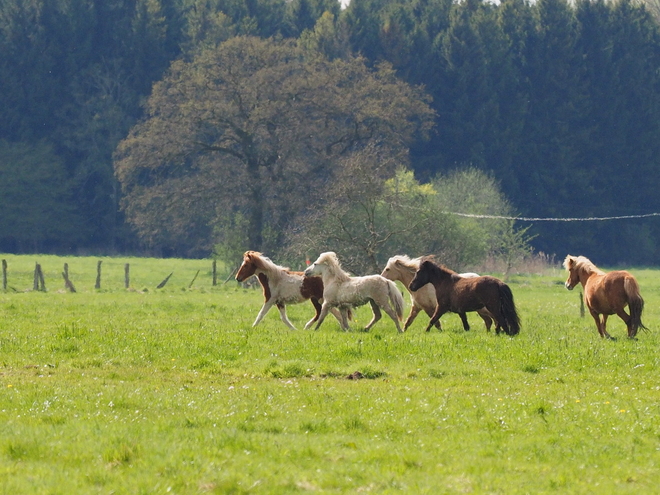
[[403, 268], [342, 291]]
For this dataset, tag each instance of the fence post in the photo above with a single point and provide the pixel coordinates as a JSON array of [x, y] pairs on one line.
[[97, 285], [67, 282], [39, 282], [4, 274], [127, 277], [581, 305], [215, 273]]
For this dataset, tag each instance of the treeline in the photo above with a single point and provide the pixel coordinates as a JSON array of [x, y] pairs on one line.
[[559, 102]]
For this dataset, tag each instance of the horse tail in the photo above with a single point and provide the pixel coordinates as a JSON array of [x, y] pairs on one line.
[[397, 298], [635, 304], [508, 309]]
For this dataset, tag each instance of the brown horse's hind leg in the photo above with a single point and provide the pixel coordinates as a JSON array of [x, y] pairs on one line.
[[488, 321], [601, 325], [500, 322], [628, 321], [317, 308], [377, 314]]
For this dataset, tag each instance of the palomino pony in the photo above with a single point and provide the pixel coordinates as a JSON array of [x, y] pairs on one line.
[[342, 291], [281, 287], [460, 295], [403, 268], [606, 294]]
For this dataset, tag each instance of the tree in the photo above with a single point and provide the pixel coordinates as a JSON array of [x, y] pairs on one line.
[[369, 217], [250, 129], [34, 199]]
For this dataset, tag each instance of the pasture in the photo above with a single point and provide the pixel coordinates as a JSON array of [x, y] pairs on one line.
[[172, 391]]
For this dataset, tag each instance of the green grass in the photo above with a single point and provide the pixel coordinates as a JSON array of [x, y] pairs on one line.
[[172, 391]]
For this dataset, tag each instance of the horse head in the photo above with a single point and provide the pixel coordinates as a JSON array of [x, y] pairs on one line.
[[422, 275], [579, 268], [573, 276], [249, 265], [326, 264]]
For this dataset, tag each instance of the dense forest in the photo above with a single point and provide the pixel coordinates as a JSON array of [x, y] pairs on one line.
[[558, 101]]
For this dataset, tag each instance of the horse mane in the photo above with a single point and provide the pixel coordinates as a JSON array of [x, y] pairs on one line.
[[436, 266], [264, 263], [411, 264], [331, 260], [582, 263]]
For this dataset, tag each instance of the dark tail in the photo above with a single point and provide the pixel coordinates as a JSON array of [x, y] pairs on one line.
[[508, 309], [635, 305]]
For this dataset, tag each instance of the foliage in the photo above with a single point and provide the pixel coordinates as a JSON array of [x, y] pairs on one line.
[[369, 218], [34, 198], [558, 100], [243, 126], [156, 390]]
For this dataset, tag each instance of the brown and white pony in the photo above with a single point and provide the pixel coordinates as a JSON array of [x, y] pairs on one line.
[[606, 294], [343, 291], [403, 268], [281, 286]]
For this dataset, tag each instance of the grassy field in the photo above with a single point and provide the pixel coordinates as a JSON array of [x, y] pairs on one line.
[[171, 391]]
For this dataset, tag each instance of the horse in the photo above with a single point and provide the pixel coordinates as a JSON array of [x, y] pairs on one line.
[[460, 295], [606, 294], [282, 286], [340, 290], [403, 268]]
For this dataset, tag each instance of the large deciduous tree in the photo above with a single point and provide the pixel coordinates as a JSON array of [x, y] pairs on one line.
[[241, 138]]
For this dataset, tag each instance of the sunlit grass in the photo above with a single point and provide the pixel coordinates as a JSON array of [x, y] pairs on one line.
[[172, 390]]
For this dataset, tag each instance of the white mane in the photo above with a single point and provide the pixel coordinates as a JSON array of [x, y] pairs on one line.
[[331, 261], [581, 263], [404, 260]]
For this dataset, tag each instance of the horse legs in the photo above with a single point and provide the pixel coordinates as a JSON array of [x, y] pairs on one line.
[[317, 308], [466, 325], [500, 322], [436, 317], [343, 320], [414, 311], [437, 323], [392, 314], [283, 316], [627, 320], [324, 312], [601, 324], [377, 314], [264, 309], [485, 315]]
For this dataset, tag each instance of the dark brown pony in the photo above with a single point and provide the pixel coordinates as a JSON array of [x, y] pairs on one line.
[[606, 294], [458, 294], [282, 286]]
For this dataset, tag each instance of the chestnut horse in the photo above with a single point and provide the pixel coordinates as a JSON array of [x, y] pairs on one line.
[[343, 291], [606, 294], [460, 295], [281, 287], [403, 268]]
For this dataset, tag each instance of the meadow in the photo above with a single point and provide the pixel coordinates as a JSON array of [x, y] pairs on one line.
[[171, 390]]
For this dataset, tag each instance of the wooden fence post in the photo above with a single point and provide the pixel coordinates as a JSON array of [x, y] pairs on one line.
[[67, 282], [162, 284], [193, 280], [127, 277], [581, 305], [215, 274], [39, 282], [4, 274], [97, 285]]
